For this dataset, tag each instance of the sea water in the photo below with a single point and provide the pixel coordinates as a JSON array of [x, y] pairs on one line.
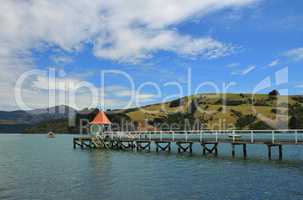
[[36, 167]]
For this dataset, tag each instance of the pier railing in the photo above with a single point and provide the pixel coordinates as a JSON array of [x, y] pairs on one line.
[[250, 136], [184, 140]]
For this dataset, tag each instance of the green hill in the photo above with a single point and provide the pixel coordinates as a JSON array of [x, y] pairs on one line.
[[208, 111], [239, 111]]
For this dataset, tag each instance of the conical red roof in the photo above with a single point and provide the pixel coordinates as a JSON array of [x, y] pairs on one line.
[[101, 119]]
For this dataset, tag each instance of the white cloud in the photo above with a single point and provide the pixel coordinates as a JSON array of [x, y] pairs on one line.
[[125, 31], [121, 92], [62, 59], [248, 69], [47, 83], [295, 54], [11, 67], [134, 45], [41, 90], [244, 71], [233, 65], [141, 28], [274, 63], [119, 30]]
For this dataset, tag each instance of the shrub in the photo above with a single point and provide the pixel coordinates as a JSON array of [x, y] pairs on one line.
[[230, 102], [296, 120], [132, 109], [193, 106], [298, 98], [274, 93], [245, 120], [261, 103], [236, 113], [175, 103], [260, 125], [284, 105]]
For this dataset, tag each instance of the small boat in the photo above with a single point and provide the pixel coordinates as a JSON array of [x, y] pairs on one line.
[[51, 135]]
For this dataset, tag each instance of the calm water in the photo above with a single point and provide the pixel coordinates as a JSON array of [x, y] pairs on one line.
[[35, 167]]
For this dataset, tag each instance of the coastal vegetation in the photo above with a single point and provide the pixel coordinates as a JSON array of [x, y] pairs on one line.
[[207, 111]]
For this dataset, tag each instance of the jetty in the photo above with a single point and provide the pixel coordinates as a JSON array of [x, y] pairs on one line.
[[209, 140], [102, 137]]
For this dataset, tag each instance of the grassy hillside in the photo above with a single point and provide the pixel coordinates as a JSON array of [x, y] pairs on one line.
[[57, 126], [210, 111], [239, 111]]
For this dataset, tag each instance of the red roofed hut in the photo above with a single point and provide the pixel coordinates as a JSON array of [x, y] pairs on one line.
[[100, 124]]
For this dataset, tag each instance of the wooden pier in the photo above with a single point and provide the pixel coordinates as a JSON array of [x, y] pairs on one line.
[[209, 141]]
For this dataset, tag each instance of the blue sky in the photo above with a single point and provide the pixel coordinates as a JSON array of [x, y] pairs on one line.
[[158, 42]]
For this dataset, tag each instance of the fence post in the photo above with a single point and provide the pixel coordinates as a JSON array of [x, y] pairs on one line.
[[186, 136], [273, 136], [252, 136], [160, 135], [150, 136], [201, 136], [173, 135], [216, 136], [296, 136], [234, 135]]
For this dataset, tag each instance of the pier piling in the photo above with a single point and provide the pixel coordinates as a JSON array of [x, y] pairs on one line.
[[143, 145], [244, 149], [270, 146], [212, 150], [184, 146], [166, 147]]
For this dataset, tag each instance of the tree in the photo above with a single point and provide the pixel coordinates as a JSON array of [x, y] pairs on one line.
[[245, 120], [293, 123], [175, 103], [296, 120], [259, 125], [193, 106], [274, 93]]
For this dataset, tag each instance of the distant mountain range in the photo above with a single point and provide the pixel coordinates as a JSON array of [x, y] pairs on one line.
[[18, 121]]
